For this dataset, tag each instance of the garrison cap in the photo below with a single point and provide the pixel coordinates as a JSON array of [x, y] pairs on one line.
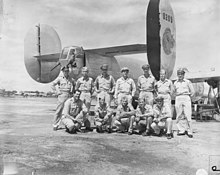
[[159, 98], [85, 69], [104, 67], [181, 70], [145, 66], [65, 68], [124, 69]]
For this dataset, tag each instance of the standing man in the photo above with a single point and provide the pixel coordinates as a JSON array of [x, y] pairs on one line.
[[125, 87], [144, 117], [125, 116], [184, 91], [146, 83], [164, 88], [74, 113], [104, 85], [64, 88], [85, 85], [162, 118]]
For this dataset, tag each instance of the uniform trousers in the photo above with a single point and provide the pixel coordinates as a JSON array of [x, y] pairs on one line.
[[60, 104], [183, 103], [125, 124]]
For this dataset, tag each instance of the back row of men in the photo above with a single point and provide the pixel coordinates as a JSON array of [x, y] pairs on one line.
[[73, 112]]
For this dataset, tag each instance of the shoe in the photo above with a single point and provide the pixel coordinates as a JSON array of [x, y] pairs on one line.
[[157, 135], [73, 131], [109, 130], [119, 131], [189, 135], [99, 130], [172, 135], [55, 127], [169, 136], [181, 133], [130, 133], [146, 133], [89, 129]]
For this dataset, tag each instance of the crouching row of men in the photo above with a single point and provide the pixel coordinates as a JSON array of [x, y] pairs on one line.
[[144, 120]]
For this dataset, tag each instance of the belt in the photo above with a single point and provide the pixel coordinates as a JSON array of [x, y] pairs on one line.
[[146, 91], [183, 95], [86, 91], [127, 93]]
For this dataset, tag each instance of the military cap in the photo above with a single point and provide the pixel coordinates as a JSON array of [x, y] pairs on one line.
[[85, 69], [159, 98], [181, 70], [104, 67], [124, 69], [65, 68], [145, 66]]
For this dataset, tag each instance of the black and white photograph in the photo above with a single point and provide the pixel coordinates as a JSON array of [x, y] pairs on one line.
[[106, 87]]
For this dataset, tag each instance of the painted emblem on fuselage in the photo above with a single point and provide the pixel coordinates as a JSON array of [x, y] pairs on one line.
[[168, 41]]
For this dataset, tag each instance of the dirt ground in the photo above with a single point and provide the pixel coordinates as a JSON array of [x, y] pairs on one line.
[[30, 146]]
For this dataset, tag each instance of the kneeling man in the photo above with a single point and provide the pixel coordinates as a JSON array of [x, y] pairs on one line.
[[103, 116], [74, 113], [162, 118], [144, 117], [125, 116]]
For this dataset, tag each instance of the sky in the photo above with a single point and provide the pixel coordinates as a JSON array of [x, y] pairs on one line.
[[98, 23]]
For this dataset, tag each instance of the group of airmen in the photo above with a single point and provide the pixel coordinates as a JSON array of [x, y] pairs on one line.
[[153, 115]]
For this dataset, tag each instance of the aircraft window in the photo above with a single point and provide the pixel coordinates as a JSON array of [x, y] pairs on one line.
[[64, 53], [171, 19], [163, 15], [72, 51]]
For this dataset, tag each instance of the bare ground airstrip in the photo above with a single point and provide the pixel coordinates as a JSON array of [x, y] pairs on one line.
[[28, 145]]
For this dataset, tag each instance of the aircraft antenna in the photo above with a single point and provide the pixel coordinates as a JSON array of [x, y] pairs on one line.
[[38, 39], [39, 49]]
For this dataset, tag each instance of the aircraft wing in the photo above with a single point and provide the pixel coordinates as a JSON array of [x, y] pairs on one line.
[[201, 76], [120, 50], [49, 57]]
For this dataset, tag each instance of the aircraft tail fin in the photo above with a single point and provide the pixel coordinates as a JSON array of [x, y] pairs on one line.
[[120, 50]]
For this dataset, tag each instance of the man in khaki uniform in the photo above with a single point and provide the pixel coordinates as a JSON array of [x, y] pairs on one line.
[[74, 113], [183, 90], [103, 116], [144, 117], [125, 116], [162, 118], [164, 88], [64, 88], [104, 85], [125, 87], [146, 84], [85, 85]]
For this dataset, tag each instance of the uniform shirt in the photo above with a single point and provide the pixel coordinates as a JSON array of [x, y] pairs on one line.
[[101, 112], [164, 111], [147, 110], [183, 87], [164, 87], [73, 107], [104, 83], [146, 84], [84, 84], [121, 109], [125, 86], [66, 85]]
